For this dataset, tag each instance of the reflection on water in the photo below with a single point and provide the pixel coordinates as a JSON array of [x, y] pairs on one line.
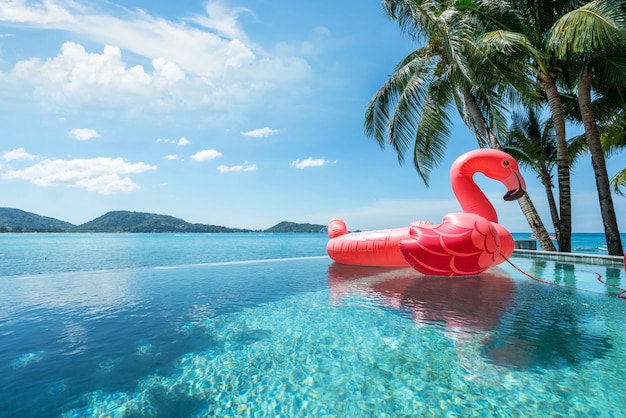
[[462, 303], [565, 274], [612, 280], [546, 330], [607, 279], [521, 328]]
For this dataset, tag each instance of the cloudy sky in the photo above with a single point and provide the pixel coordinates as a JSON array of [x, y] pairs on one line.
[[237, 113]]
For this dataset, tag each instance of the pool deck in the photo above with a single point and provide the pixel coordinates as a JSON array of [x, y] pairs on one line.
[[571, 257]]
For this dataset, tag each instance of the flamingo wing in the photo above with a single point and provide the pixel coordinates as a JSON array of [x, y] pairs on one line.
[[464, 244]]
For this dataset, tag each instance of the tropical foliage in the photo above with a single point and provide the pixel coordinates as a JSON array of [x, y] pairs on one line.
[[482, 57], [591, 39]]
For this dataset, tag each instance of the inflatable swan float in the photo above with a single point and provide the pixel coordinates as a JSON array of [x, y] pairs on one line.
[[464, 244]]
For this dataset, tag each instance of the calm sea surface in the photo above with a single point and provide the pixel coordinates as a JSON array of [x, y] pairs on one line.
[[202, 325]]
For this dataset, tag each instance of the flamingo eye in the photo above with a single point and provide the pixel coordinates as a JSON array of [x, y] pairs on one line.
[[506, 163]]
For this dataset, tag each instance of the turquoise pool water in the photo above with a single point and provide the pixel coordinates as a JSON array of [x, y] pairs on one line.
[[163, 326]]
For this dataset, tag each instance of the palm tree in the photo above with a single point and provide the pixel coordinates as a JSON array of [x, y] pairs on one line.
[[410, 110], [586, 38], [523, 27], [548, 30]]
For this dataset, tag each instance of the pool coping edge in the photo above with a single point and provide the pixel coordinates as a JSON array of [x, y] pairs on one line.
[[571, 257]]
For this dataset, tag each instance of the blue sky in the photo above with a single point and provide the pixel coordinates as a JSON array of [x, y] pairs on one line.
[[237, 113]]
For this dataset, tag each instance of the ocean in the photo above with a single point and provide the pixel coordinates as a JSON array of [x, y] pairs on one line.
[[27, 254], [254, 324], [585, 243]]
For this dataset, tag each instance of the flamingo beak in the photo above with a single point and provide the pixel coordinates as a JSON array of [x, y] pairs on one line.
[[516, 186]]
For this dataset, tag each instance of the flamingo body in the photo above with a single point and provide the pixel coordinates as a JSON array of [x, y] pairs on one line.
[[464, 244]]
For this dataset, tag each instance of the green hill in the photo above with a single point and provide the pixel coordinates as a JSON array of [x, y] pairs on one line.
[[126, 221], [295, 227], [16, 220]]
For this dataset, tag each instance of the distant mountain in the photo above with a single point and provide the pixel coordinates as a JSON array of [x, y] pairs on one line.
[[126, 221], [294, 227], [16, 220]]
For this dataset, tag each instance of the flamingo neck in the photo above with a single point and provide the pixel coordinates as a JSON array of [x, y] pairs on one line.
[[471, 198]]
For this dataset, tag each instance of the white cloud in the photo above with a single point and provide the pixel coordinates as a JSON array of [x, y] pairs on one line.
[[309, 162], [246, 166], [206, 155], [101, 175], [107, 184], [205, 52], [47, 12], [84, 134], [171, 157], [17, 154], [76, 77], [181, 141], [222, 20], [260, 133], [218, 66]]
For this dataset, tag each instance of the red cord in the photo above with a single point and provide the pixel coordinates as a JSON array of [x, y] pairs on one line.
[[620, 295]]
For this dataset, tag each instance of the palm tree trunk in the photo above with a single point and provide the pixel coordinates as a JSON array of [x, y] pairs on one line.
[[611, 230], [528, 209], [564, 234], [554, 213]]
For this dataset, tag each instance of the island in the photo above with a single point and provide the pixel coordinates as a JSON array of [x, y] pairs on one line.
[[18, 221]]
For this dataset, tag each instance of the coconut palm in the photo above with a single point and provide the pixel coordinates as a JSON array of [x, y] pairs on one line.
[[548, 30], [411, 110], [521, 29], [592, 39]]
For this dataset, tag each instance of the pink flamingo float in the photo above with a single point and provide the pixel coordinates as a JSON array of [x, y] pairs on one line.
[[464, 244]]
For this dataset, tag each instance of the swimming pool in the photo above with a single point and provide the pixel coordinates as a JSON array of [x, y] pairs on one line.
[[302, 336]]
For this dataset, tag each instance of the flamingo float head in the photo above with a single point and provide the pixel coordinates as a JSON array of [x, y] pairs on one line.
[[493, 163]]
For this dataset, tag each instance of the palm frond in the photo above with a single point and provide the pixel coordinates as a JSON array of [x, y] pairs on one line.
[[609, 68], [433, 131], [408, 111], [613, 138], [597, 25], [618, 181], [610, 105], [414, 17], [577, 146], [411, 75], [501, 63]]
